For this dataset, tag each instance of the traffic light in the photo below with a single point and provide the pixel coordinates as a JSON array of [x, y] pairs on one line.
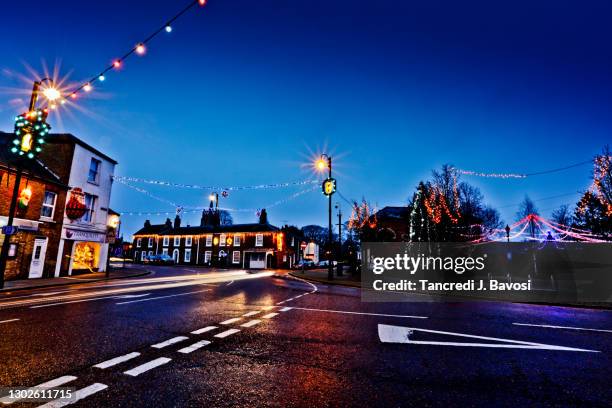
[[30, 131]]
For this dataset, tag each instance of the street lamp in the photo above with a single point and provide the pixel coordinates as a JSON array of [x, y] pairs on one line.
[[329, 188], [30, 131]]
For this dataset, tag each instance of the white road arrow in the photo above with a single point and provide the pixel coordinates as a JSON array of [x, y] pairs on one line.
[[131, 296], [398, 334]]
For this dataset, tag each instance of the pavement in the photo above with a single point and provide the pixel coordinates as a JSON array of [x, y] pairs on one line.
[[321, 276], [187, 337]]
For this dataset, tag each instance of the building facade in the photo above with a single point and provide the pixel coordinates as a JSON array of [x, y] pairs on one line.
[[83, 245], [42, 196]]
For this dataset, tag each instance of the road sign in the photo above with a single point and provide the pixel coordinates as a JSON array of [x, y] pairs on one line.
[[10, 230], [303, 245]]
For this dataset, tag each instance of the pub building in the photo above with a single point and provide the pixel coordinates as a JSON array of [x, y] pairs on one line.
[[247, 246], [41, 196]]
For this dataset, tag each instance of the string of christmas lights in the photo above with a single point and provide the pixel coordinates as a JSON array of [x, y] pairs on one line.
[[518, 175], [214, 188], [147, 193], [138, 49]]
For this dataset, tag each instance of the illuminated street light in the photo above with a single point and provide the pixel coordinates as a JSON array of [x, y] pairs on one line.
[[52, 94], [329, 188]]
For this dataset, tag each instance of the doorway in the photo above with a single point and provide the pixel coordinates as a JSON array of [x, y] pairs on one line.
[[38, 258]]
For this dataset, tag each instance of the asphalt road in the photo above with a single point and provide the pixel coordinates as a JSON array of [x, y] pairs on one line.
[[195, 337]]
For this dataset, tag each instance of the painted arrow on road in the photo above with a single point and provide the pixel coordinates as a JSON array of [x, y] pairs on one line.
[[131, 296], [398, 334]]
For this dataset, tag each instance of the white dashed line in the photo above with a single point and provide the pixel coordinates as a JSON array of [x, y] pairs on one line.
[[251, 323], [204, 330], [169, 342], [285, 309], [269, 315], [252, 313], [230, 321], [78, 395], [226, 333], [561, 327], [194, 347], [162, 297], [117, 360], [8, 321], [49, 384], [147, 366], [358, 313]]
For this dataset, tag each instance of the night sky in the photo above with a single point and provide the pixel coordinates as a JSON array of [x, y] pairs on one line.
[[246, 92]]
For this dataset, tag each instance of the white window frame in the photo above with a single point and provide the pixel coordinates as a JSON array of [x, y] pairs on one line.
[[138, 242], [209, 239], [188, 241], [150, 242], [237, 240], [176, 258], [259, 238], [45, 205], [143, 255], [187, 256], [166, 241], [234, 260], [165, 251], [96, 179], [222, 239], [207, 256], [177, 241]]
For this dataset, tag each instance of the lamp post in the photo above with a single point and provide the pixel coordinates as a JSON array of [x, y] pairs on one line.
[[339, 254], [30, 129], [329, 188]]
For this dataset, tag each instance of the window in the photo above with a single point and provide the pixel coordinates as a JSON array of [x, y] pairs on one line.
[[94, 171], [138, 242], [165, 251], [150, 242], [188, 255], [150, 254], [90, 203], [222, 240], [236, 240], [236, 257], [259, 240], [175, 255], [143, 255], [177, 241], [166, 241], [188, 241], [209, 240], [48, 205], [207, 256]]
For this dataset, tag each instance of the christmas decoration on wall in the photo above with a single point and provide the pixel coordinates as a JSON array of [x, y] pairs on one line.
[[30, 132], [75, 207], [24, 198]]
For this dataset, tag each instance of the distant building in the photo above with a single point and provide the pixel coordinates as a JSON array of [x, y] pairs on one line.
[[42, 194], [392, 224], [251, 246]]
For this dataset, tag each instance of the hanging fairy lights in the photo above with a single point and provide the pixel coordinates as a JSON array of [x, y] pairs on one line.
[[518, 175], [139, 49], [214, 188]]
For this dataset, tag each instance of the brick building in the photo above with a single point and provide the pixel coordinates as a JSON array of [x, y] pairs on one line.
[[33, 250], [393, 224]]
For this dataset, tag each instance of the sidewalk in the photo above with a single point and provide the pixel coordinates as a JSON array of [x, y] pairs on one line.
[[320, 276], [120, 273]]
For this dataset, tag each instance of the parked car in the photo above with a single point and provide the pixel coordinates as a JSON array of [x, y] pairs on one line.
[[304, 264], [325, 263], [161, 259]]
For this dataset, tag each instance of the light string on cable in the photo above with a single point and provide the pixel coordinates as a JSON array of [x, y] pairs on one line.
[[214, 188], [518, 175], [139, 48]]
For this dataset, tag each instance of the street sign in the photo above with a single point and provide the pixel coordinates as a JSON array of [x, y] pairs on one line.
[[10, 230], [303, 245], [329, 186]]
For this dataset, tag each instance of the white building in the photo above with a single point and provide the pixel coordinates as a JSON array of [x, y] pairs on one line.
[[83, 244]]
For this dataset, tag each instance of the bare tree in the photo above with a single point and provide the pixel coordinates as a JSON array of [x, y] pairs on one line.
[[562, 215]]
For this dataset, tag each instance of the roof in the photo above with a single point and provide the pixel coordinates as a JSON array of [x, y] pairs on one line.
[[392, 212], [31, 167], [164, 229], [70, 138]]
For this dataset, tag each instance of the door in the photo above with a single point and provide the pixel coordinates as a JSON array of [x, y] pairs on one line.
[[257, 260], [38, 258]]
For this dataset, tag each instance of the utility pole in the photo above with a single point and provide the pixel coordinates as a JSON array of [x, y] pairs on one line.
[[339, 238]]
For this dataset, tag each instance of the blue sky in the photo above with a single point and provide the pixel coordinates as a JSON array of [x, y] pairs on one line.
[[243, 92]]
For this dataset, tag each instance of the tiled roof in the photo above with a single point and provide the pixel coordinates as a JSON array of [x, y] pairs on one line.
[[392, 212]]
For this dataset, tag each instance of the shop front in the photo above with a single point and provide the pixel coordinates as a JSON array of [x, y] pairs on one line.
[[82, 252]]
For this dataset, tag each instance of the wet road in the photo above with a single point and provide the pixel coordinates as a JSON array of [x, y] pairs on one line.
[[194, 337]]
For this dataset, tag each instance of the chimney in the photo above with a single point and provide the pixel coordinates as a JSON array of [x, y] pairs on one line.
[[168, 223], [177, 221], [263, 216], [147, 224]]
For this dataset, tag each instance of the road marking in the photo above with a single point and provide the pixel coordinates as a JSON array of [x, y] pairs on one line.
[[78, 395], [226, 333], [194, 347], [268, 307], [72, 301], [117, 360], [162, 297], [252, 313], [230, 321], [136, 371], [558, 327], [269, 315], [285, 309], [132, 296], [204, 330], [398, 334], [49, 384], [358, 313], [251, 323], [169, 342], [8, 321]]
